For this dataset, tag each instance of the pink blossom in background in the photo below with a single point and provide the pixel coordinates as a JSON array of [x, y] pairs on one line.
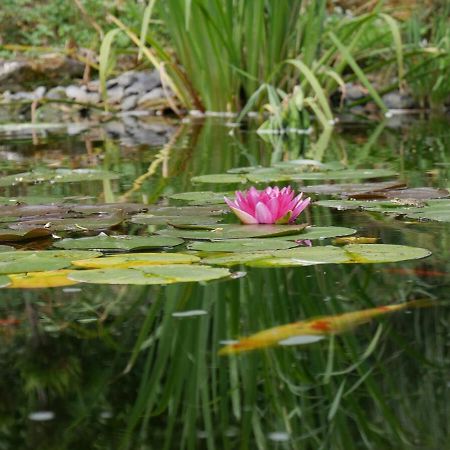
[[272, 205]]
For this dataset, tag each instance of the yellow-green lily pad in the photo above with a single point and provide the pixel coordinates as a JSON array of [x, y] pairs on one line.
[[136, 259], [150, 275], [39, 261], [127, 243]]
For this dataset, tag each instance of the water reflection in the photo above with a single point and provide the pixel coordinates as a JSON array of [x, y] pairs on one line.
[[120, 367]]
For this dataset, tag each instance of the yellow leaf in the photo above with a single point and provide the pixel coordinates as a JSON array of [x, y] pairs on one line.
[[36, 280]]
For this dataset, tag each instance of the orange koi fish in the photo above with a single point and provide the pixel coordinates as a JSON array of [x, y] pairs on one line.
[[318, 326]]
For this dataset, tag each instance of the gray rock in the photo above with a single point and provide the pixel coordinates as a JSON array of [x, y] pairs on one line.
[[49, 70], [129, 102], [115, 94], [93, 86], [39, 92], [80, 94], [155, 94], [56, 93], [125, 79], [354, 92], [396, 100]]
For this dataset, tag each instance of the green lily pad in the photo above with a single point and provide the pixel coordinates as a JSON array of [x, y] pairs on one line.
[[38, 261], [181, 215], [220, 178], [148, 219], [230, 231], [4, 281], [313, 232], [291, 173], [136, 259], [242, 245], [202, 197], [105, 242], [353, 253], [329, 175], [438, 209], [150, 275], [305, 256], [57, 176], [23, 235], [95, 223]]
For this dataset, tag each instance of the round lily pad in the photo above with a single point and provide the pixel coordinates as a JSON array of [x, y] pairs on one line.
[[37, 261], [304, 256], [380, 253], [23, 235], [313, 232], [353, 253], [137, 259], [105, 242], [202, 197], [220, 178], [150, 275], [230, 231], [242, 245], [39, 280], [58, 176]]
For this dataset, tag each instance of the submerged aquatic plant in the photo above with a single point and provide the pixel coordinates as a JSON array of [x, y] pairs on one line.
[[272, 205]]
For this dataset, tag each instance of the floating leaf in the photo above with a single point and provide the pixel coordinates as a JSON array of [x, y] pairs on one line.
[[39, 261], [150, 275], [137, 259], [105, 242], [304, 256], [318, 326], [220, 178], [23, 235], [104, 222], [34, 280], [347, 189], [289, 173], [242, 245], [330, 175], [57, 176], [355, 240], [438, 209], [202, 197], [353, 253], [230, 231], [313, 233]]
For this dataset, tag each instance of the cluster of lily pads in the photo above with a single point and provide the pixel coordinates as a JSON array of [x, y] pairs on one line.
[[194, 242]]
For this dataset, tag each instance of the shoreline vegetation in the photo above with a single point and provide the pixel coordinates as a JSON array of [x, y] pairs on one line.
[[298, 63]]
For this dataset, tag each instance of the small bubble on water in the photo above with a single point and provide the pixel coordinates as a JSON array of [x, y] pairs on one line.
[[278, 436], [41, 416]]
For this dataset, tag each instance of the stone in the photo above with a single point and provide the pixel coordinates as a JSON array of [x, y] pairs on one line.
[[397, 100], [129, 102], [47, 70], [56, 93], [155, 94], [115, 94], [81, 95]]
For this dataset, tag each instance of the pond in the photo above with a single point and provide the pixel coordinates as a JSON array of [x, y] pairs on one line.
[[106, 363]]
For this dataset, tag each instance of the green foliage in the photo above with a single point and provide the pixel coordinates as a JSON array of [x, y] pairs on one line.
[[54, 22]]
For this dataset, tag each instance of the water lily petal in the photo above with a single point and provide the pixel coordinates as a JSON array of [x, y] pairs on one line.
[[263, 214], [243, 216]]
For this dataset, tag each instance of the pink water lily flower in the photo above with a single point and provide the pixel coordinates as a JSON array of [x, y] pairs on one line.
[[272, 205]]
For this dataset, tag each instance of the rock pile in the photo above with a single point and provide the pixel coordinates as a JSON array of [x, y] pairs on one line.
[[132, 90]]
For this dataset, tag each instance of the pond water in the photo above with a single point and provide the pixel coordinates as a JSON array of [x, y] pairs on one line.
[[138, 367]]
